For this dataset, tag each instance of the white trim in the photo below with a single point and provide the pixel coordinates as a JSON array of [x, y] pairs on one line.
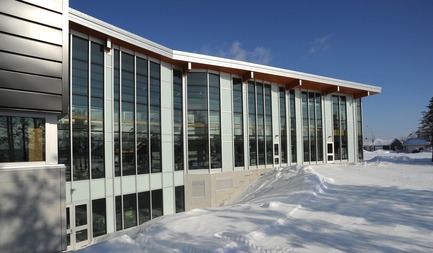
[[115, 32]]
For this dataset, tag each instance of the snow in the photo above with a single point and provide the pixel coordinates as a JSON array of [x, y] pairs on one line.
[[384, 204]]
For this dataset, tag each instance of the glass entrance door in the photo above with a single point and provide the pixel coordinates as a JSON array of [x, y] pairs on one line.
[[277, 160], [77, 225], [330, 152]]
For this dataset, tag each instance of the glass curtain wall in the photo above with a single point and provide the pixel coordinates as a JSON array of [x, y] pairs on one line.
[[238, 129], [261, 145], [268, 124], [137, 115], [312, 127], [204, 127], [127, 114], [178, 120], [293, 148], [87, 91], [283, 126], [155, 117], [260, 123], [339, 117], [97, 110], [142, 118], [359, 129], [252, 123], [136, 208]]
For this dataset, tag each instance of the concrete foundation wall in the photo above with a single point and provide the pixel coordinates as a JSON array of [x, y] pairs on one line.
[[213, 190], [32, 209]]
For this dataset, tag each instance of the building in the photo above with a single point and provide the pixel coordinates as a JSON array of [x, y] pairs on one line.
[[414, 145], [379, 144], [144, 130]]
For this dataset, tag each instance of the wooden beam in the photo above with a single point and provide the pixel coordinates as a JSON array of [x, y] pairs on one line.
[[294, 84], [248, 76], [361, 94], [331, 90], [187, 68]]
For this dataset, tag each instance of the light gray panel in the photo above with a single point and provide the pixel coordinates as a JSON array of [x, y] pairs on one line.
[[26, 29], [222, 184], [33, 210], [198, 188], [29, 47], [26, 82], [55, 5], [33, 13], [29, 65], [28, 100]]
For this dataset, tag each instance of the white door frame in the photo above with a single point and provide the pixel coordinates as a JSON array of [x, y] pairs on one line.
[[82, 228]]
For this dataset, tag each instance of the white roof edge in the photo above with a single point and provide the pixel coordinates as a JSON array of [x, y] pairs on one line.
[[113, 31], [247, 66]]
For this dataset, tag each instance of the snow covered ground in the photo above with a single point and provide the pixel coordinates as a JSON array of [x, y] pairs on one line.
[[382, 205]]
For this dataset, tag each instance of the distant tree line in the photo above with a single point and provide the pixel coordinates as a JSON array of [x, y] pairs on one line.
[[427, 121]]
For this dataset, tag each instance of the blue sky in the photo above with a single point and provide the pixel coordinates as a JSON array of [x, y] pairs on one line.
[[386, 43]]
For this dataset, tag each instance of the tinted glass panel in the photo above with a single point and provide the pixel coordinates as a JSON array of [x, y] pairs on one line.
[[157, 204], [99, 215], [22, 139]]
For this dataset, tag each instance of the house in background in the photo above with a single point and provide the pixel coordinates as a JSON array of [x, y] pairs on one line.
[[419, 140], [415, 145], [379, 144]]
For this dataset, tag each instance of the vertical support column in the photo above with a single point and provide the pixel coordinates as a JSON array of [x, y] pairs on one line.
[[276, 138], [351, 133], [167, 151], [108, 136], [226, 122]]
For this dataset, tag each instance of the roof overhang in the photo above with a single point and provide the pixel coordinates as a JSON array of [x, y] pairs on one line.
[[188, 61]]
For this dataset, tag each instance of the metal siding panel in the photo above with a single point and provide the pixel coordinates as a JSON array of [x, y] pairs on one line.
[[34, 48], [32, 13], [55, 5], [28, 100], [30, 65], [21, 81], [27, 29]]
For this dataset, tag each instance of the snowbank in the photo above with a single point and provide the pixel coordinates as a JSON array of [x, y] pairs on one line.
[[382, 205]]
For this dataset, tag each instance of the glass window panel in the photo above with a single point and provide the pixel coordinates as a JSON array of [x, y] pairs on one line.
[[179, 195], [80, 215], [99, 215], [119, 217], [116, 116], [157, 204], [144, 207], [22, 139], [130, 210]]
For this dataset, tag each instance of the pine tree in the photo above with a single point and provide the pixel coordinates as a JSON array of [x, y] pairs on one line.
[[427, 121]]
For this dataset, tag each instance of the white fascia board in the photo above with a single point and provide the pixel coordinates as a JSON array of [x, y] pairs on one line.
[[247, 66], [115, 32]]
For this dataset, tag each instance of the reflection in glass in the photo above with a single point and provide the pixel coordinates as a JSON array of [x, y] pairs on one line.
[[283, 126], [155, 117], [128, 115], [22, 139], [99, 215], [97, 110], [178, 120], [144, 207], [252, 123], [130, 210], [80, 108], [157, 204], [179, 196], [238, 122], [293, 137]]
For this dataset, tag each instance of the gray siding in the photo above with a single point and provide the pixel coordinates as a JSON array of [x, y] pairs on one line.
[[32, 210], [34, 55]]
